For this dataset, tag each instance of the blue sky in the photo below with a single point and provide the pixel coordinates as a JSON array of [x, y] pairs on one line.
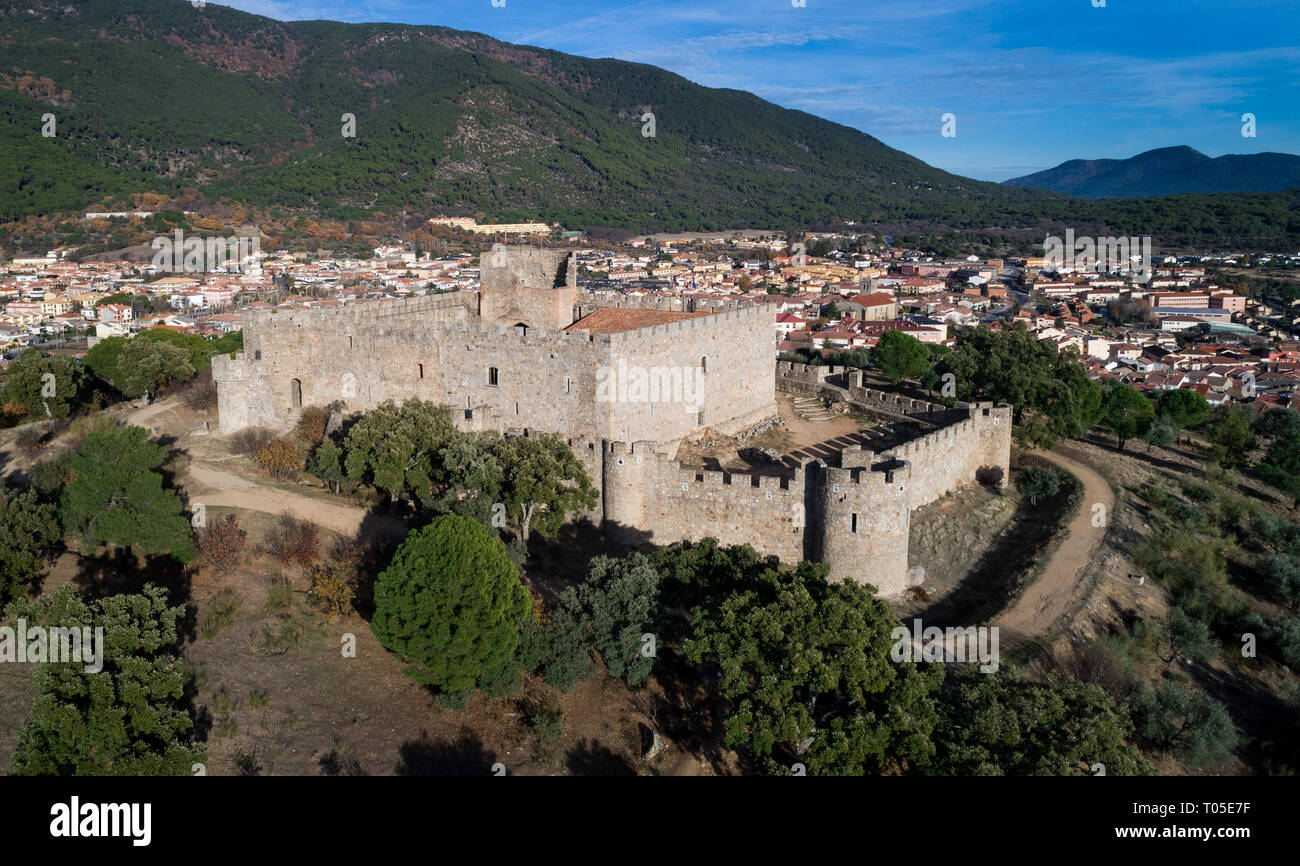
[[1031, 82]]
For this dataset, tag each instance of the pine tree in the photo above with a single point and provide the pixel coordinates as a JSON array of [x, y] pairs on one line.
[[450, 603]]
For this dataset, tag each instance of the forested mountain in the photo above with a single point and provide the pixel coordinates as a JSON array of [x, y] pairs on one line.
[[1167, 171], [157, 95]]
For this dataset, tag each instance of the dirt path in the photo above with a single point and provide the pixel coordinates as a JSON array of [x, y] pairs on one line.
[[217, 487], [142, 416], [1049, 597]]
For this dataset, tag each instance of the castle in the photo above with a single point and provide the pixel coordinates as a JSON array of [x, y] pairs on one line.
[[625, 384]]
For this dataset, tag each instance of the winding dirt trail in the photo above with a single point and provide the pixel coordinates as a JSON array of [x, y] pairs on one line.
[[208, 483], [215, 487], [1049, 597]]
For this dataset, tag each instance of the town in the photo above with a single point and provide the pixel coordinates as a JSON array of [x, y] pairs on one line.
[[1192, 324]]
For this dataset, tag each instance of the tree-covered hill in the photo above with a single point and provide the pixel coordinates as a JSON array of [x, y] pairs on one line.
[[1167, 171], [157, 95]]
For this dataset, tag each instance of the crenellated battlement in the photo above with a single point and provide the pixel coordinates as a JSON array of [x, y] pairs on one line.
[[512, 267], [358, 311], [866, 476], [682, 327], [805, 372], [590, 301]]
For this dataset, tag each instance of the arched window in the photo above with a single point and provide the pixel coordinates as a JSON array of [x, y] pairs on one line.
[[704, 363], [493, 376], [295, 393]]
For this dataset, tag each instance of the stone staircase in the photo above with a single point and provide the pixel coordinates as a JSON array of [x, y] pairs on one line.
[[811, 409]]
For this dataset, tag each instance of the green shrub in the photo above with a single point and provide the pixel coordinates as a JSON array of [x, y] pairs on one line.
[[1156, 497], [1185, 721], [1184, 513], [220, 613], [545, 717], [1282, 574], [611, 611], [1037, 482], [1197, 492], [279, 595]]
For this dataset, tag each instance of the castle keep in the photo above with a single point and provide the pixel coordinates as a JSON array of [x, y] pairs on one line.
[[625, 384], [518, 354]]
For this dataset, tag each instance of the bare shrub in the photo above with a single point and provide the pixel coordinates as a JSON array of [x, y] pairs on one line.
[[990, 476], [222, 545], [312, 424], [221, 612], [200, 392], [294, 541], [338, 583], [30, 441], [333, 590], [11, 414], [1094, 662], [250, 440]]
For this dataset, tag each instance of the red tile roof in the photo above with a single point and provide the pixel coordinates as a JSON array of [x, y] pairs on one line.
[[875, 299], [615, 320]]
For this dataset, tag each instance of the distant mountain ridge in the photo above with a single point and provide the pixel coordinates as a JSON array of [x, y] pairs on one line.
[[1167, 171]]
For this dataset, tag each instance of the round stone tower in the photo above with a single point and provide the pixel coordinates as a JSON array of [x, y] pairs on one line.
[[862, 524], [626, 474]]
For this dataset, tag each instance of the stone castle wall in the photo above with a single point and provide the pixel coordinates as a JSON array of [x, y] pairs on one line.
[[650, 497], [313, 356], [713, 371], [588, 302], [856, 518], [707, 371], [532, 286], [498, 376]]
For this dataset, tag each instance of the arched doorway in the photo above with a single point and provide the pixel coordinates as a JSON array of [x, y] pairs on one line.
[[295, 394]]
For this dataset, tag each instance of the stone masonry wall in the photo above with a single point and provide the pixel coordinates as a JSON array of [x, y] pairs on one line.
[[300, 357], [651, 497], [588, 302], [714, 371], [497, 377], [536, 287], [856, 521]]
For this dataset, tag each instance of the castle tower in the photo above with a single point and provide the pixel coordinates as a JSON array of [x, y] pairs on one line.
[[624, 486], [861, 519], [236, 392], [528, 286]]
